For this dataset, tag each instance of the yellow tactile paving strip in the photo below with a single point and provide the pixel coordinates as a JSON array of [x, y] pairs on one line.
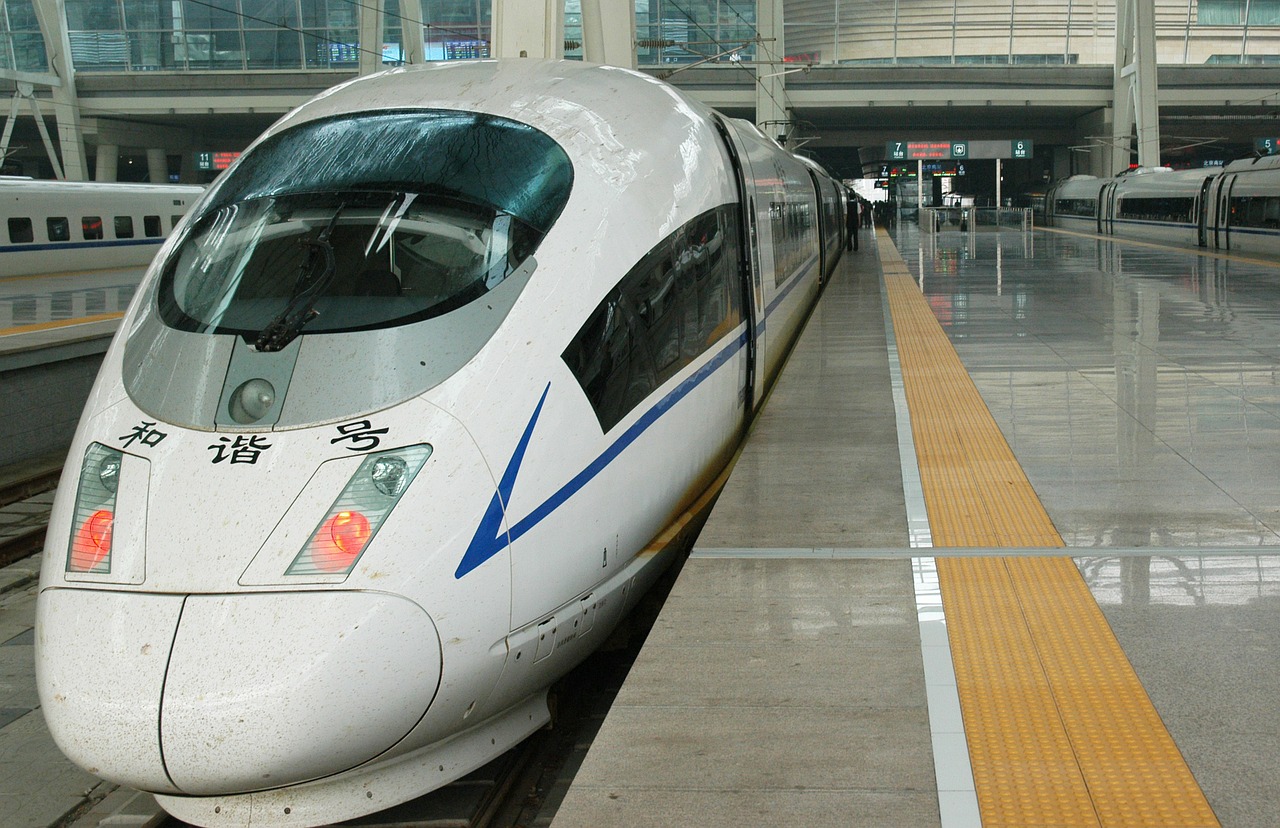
[[1060, 731], [60, 323]]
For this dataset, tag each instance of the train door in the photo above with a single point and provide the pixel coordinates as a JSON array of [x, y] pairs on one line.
[[1204, 203], [1106, 208], [824, 231], [1222, 226], [748, 266]]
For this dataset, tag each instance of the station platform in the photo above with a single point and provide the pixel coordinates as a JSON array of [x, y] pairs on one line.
[[38, 312], [54, 330], [1001, 550]]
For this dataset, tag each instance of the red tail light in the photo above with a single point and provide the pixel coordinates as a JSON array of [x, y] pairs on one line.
[[92, 543], [340, 540]]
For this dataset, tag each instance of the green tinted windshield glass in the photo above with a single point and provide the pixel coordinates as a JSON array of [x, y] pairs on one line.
[[365, 221]]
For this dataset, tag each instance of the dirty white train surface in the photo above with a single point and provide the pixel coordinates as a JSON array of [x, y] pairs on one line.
[[387, 436]]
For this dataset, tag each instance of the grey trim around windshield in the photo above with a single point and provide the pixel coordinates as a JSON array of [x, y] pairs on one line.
[[182, 378]]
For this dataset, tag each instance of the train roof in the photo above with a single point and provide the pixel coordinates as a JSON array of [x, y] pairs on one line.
[[601, 112], [1262, 162]]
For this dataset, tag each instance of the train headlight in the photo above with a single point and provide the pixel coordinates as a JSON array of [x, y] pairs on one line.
[[109, 471], [360, 510], [94, 515], [388, 475]]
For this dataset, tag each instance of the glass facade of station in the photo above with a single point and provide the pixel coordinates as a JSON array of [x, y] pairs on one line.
[[240, 35]]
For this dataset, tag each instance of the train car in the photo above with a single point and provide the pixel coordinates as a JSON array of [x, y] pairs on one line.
[[1242, 209], [58, 226], [397, 424], [1236, 207]]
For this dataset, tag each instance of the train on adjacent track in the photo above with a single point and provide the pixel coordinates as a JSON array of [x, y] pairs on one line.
[[398, 425], [1236, 207], [61, 226]]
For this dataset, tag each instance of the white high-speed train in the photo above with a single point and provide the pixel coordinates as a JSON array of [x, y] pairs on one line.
[[57, 226], [390, 435], [1236, 207]]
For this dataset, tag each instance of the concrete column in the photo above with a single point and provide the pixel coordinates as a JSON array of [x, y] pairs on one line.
[[411, 32], [157, 166], [1135, 91], [528, 29], [609, 32], [771, 112], [1146, 88], [370, 22], [52, 17], [1097, 131], [108, 163]]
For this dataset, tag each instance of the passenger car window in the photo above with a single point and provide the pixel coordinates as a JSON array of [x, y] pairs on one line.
[[91, 227], [151, 227], [124, 227], [20, 231], [59, 228]]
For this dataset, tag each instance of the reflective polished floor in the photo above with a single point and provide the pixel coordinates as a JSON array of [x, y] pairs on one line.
[[1138, 388]]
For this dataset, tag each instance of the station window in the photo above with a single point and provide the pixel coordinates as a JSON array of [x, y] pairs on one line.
[[20, 231], [59, 228], [151, 226], [91, 227], [124, 227]]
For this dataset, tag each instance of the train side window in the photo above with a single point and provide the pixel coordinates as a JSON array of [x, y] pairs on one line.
[[151, 227], [677, 302], [59, 228], [20, 231], [173, 221], [124, 227], [91, 227]]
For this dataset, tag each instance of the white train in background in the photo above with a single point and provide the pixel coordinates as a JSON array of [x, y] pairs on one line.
[[1236, 207], [60, 226], [396, 425]]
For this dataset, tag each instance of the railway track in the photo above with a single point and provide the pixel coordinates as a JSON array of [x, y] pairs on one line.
[[26, 496]]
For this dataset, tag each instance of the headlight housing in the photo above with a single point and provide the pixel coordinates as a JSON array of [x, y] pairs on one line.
[[359, 511], [94, 517]]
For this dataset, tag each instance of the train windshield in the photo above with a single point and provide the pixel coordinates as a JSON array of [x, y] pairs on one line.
[[364, 221]]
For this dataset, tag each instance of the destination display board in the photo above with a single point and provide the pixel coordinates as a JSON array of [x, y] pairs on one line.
[[215, 160], [954, 150]]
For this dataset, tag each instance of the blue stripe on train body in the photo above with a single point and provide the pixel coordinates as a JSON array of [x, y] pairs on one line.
[[490, 539]]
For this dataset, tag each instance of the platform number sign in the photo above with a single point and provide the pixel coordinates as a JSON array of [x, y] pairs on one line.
[[959, 149], [1267, 146], [1020, 149], [898, 150]]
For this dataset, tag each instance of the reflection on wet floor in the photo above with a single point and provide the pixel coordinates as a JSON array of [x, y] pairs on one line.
[[1137, 386], [1182, 580]]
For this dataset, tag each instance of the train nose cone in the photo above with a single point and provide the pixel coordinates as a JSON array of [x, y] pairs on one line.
[[271, 689], [100, 663]]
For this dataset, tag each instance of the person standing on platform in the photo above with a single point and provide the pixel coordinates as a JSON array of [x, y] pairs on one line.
[[851, 220]]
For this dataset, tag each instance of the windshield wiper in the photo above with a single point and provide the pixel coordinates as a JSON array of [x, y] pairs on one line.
[[311, 283]]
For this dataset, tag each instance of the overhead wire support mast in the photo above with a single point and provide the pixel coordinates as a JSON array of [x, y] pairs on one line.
[[708, 59]]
